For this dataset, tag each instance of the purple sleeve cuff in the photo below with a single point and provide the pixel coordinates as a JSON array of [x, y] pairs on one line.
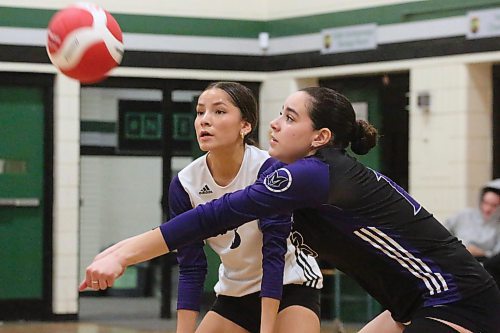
[[192, 271], [275, 235], [191, 258]]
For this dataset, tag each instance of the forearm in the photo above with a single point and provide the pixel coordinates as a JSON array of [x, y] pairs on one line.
[[103, 272], [269, 314], [275, 234], [186, 321], [112, 248], [141, 248]]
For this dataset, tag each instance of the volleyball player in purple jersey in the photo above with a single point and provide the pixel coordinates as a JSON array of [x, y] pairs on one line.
[[352, 216], [259, 264], [253, 256]]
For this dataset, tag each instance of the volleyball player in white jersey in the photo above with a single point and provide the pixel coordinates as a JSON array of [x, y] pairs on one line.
[[252, 255]]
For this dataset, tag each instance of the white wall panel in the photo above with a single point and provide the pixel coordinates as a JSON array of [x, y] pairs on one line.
[[120, 197]]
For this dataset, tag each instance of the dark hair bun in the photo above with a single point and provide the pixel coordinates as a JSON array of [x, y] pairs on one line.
[[364, 138]]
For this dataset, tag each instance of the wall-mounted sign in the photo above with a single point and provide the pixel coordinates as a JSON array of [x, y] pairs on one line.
[[483, 23], [143, 125], [348, 39], [140, 126], [183, 126]]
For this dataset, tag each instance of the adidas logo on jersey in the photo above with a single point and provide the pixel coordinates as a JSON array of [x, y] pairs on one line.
[[205, 190]]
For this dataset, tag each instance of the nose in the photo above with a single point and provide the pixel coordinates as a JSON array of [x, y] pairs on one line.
[[274, 124], [205, 119]]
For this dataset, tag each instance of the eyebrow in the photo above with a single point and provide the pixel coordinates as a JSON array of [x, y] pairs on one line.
[[289, 109], [216, 103]]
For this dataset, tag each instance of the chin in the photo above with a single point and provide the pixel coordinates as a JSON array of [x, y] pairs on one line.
[[203, 147], [272, 152], [276, 155]]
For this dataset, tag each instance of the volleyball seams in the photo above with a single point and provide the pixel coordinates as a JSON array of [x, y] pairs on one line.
[[80, 40]]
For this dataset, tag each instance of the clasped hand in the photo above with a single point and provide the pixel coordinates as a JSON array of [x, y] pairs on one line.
[[102, 273]]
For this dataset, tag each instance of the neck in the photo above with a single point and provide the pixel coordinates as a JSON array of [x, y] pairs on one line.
[[225, 163]]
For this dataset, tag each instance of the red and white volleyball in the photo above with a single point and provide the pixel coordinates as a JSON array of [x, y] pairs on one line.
[[84, 42]]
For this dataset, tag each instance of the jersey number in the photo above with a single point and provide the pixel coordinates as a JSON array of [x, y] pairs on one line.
[[416, 206]]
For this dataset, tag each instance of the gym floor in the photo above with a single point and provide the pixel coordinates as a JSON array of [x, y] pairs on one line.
[[82, 327], [124, 315]]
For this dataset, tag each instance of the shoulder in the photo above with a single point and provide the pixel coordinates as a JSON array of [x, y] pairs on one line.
[[306, 173], [255, 155], [255, 151], [307, 166], [467, 217], [469, 214], [193, 167]]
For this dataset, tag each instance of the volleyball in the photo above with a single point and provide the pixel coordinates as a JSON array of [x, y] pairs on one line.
[[84, 42]]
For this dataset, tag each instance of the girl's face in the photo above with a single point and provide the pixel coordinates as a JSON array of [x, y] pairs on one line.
[[292, 133], [218, 121]]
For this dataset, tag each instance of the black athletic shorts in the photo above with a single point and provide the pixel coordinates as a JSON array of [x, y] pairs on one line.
[[245, 310], [479, 313]]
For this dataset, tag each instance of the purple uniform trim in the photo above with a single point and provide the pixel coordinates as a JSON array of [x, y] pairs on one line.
[[191, 257]]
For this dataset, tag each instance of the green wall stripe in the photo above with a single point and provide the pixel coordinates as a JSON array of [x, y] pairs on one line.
[[39, 18], [390, 14], [25, 17], [98, 126], [189, 26]]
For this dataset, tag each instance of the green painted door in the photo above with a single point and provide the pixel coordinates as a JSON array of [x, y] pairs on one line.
[[21, 194], [367, 100], [364, 94]]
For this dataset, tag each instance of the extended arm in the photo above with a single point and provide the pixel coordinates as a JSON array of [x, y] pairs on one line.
[[306, 186], [301, 184], [102, 272], [275, 234]]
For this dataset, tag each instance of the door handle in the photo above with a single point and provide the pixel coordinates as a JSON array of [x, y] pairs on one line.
[[19, 202]]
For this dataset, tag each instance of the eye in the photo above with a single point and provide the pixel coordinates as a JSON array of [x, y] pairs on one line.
[[289, 118], [199, 113], [220, 112]]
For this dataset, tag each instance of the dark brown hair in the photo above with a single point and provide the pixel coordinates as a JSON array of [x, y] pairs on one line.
[[332, 110]]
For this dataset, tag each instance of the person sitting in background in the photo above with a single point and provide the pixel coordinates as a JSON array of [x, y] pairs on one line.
[[479, 228]]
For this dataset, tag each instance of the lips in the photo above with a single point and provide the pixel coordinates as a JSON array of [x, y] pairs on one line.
[[204, 134]]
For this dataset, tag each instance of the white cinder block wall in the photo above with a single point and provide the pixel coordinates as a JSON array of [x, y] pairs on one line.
[[450, 144], [119, 195], [66, 194]]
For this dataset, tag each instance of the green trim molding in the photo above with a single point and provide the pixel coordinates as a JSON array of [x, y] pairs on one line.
[[169, 25]]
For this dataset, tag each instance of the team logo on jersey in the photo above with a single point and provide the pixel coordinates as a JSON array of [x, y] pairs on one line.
[[279, 181], [298, 241], [205, 190], [236, 241]]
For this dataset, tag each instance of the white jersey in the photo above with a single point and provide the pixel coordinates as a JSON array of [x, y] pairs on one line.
[[240, 272]]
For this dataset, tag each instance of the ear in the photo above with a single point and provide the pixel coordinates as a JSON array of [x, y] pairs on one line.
[[246, 127], [322, 137]]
